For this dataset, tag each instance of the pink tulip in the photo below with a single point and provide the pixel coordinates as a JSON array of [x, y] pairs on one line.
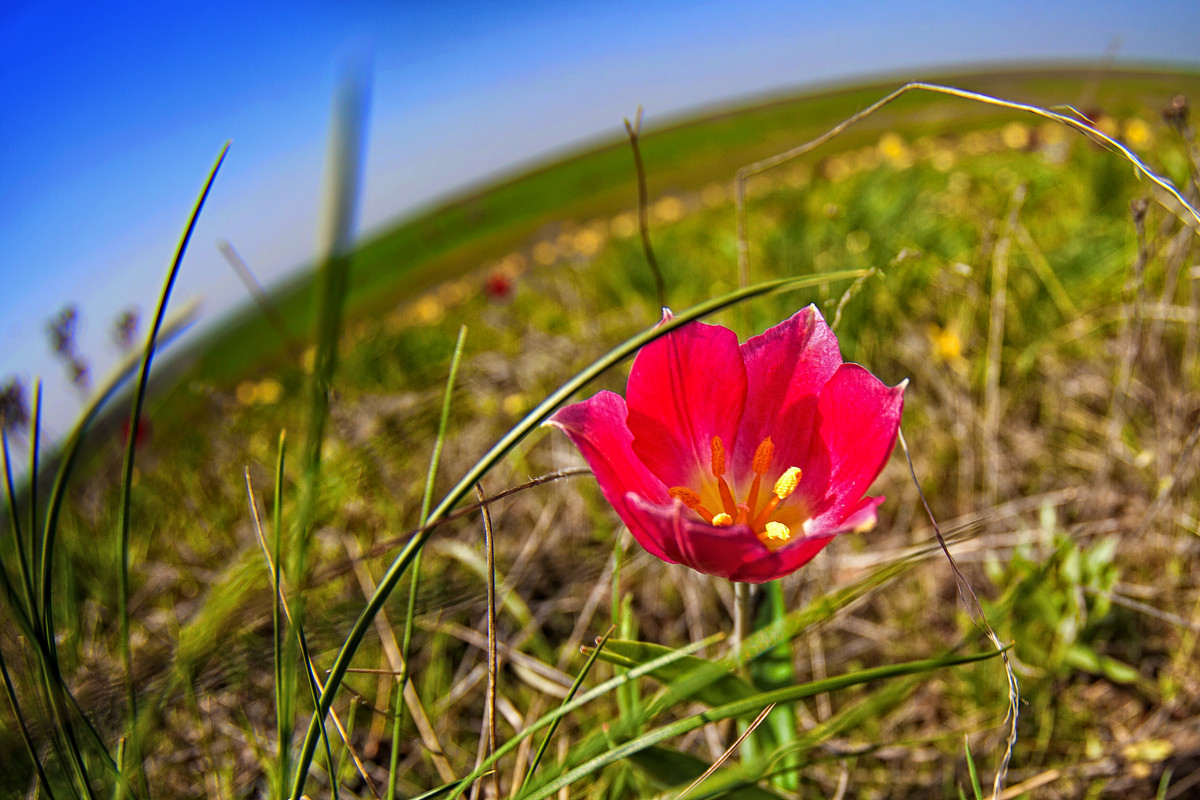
[[741, 461]]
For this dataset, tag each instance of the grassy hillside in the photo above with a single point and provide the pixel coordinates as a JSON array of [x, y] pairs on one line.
[[1039, 298]]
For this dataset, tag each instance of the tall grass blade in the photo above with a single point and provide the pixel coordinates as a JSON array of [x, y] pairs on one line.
[[583, 673], [30, 747], [123, 523], [976, 788], [498, 451], [341, 198], [284, 703], [341, 204], [43, 548], [435, 459], [312, 690], [23, 609], [35, 434], [410, 615], [46, 649]]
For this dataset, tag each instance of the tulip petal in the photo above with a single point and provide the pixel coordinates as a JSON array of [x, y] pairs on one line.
[[734, 553], [597, 426], [782, 562], [684, 389], [786, 368], [859, 420], [688, 540]]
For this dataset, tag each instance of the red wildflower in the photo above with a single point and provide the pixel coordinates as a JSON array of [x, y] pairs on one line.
[[499, 286], [741, 461]]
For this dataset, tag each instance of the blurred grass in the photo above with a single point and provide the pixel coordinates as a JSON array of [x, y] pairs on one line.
[[924, 193]]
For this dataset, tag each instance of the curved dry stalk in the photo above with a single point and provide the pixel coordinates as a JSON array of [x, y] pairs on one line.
[[975, 610], [753, 726], [1189, 212]]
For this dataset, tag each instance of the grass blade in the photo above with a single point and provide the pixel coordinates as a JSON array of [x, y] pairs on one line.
[[284, 702], [123, 523], [583, 673], [435, 459], [740, 708], [30, 747], [342, 176]]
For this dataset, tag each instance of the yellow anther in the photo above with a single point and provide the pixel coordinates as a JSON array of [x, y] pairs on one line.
[[787, 483], [722, 520], [763, 456], [776, 534], [718, 457], [689, 497]]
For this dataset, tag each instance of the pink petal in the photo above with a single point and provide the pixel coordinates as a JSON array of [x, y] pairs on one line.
[[859, 419], [597, 427], [684, 389], [786, 367], [783, 561], [734, 553], [861, 519]]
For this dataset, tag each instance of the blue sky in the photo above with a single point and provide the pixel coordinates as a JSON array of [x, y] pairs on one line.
[[114, 113]]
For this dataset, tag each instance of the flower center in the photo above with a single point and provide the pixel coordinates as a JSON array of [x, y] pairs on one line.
[[757, 515]]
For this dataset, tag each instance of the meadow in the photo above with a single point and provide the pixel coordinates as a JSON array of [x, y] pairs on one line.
[[1039, 296]]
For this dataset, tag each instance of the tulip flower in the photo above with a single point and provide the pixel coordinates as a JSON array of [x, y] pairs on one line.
[[740, 461]]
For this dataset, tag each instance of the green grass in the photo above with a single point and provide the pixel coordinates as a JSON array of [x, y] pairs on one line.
[[1048, 430]]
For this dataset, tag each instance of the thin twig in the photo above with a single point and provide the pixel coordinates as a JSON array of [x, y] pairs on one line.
[[400, 666], [381, 548], [635, 131], [1135, 286], [490, 548], [975, 610], [259, 295], [725, 756], [849, 294]]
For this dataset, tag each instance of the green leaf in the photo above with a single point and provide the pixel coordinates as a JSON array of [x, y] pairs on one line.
[[717, 684], [1084, 658]]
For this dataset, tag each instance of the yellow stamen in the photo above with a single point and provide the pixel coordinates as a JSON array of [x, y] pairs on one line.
[[784, 487], [773, 534], [787, 483], [776, 534], [718, 457]]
